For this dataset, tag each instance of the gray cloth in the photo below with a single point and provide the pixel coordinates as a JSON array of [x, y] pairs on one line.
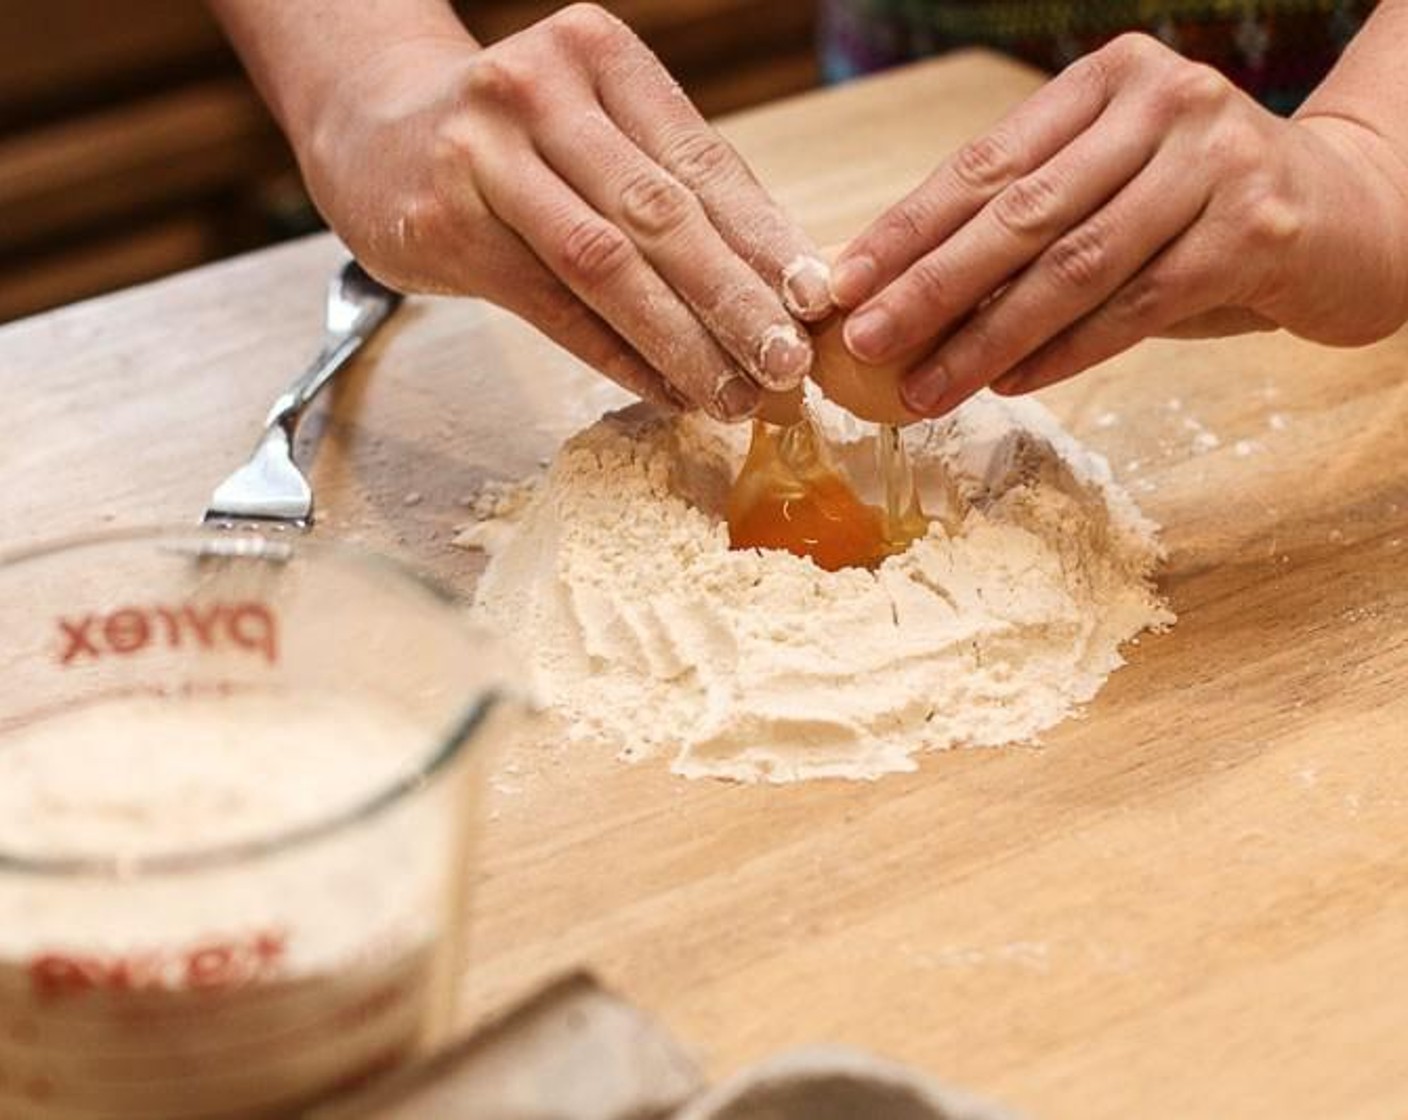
[[830, 1083], [576, 1052]]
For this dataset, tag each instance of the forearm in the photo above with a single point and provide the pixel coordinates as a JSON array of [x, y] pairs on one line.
[[1362, 108], [1369, 86], [295, 50]]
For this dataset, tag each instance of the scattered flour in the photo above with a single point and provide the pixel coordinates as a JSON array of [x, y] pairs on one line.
[[494, 508], [645, 633], [1203, 439], [499, 498]]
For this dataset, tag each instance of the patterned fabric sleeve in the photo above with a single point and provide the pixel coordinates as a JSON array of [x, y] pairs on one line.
[[1277, 50]]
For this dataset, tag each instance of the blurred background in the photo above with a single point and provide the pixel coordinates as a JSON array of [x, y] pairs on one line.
[[131, 145]]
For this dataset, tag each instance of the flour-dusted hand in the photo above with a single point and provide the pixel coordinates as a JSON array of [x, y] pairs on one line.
[[561, 173], [1140, 194]]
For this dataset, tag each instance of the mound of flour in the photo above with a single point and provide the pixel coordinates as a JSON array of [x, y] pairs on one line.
[[647, 635]]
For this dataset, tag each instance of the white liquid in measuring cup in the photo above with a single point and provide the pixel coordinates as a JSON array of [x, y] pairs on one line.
[[229, 990]]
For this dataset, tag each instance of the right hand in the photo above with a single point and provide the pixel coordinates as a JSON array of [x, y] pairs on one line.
[[1136, 194], [562, 174]]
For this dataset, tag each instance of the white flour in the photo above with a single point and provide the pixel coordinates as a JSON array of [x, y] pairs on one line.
[[227, 991], [146, 777], [645, 633]]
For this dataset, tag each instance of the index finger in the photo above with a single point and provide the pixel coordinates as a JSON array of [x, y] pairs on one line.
[[649, 106], [964, 183]]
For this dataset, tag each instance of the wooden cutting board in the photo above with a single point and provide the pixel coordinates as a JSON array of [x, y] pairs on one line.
[[1191, 902]]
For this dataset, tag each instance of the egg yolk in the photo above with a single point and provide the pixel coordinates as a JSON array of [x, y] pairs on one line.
[[789, 497]]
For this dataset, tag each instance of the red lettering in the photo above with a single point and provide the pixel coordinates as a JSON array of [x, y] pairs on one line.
[[211, 966], [138, 972], [269, 947], [249, 625], [259, 635], [76, 636], [172, 621], [53, 975], [126, 631], [203, 625]]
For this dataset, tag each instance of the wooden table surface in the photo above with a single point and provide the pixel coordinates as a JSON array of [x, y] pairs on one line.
[[1191, 902]]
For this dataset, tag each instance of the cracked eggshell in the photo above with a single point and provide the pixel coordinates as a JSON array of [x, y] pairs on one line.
[[871, 392]]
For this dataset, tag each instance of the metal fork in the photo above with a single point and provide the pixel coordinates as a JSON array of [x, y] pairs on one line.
[[270, 490]]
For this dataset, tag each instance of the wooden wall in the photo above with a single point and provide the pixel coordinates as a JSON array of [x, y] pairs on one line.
[[131, 145]]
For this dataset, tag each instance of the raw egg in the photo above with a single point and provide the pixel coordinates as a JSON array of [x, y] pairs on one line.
[[788, 496]]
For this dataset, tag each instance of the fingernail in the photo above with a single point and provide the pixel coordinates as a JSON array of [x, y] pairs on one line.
[[853, 281], [736, 399], [806, 288], [924, 389], [1008, 385], [784, 357], [870, 334]]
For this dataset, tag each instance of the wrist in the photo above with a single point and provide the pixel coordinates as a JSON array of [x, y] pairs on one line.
[[1366, 214], [384, 81], [300, 55]]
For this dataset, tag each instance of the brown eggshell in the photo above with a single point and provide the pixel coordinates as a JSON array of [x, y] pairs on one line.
[[871, 392]]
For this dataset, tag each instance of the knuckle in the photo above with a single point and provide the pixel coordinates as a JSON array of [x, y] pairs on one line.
[[1194, 89], [928, 280], [732, 312], [585, 27], [1140, 301], [655, 203], [1028, 205], [1131, 51], [1080, 259], [985, 163], [1235, 149], [501, 82], [1098, 70], [907, 223], [982, 345], [700, 157], [593, 252]]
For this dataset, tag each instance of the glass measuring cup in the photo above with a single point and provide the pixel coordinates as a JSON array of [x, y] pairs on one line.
[[237, 789]]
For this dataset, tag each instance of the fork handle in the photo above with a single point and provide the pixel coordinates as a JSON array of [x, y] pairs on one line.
[[336, 351]]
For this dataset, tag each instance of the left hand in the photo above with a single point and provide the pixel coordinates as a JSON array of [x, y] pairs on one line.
[[1136, 194]]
